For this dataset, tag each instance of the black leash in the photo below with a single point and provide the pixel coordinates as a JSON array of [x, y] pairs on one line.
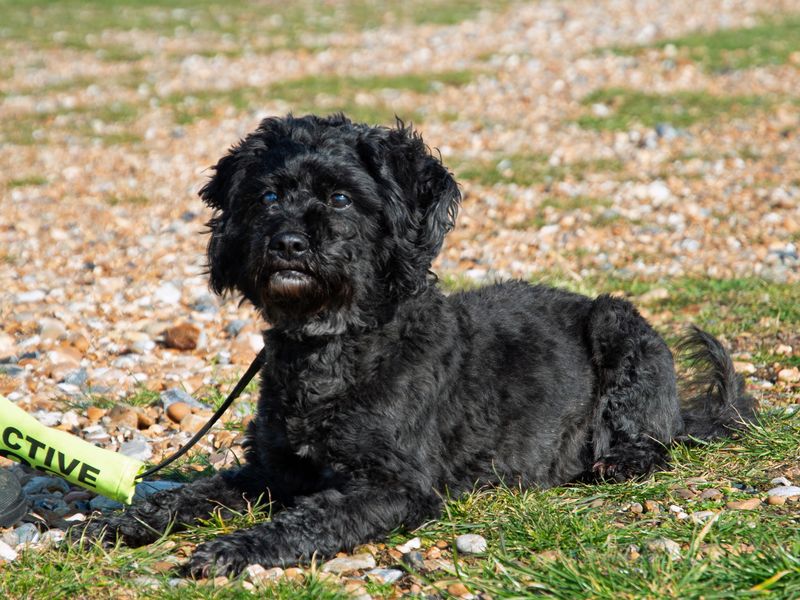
[[254, 368]]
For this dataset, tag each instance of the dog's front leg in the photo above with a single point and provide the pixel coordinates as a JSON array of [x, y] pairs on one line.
[[145, 521], [319, 525]]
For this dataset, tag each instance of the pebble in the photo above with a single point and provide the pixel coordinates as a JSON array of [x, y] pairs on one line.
[[260, 577], [457, 589], [27, 533], [167, 293], [7, 552], [710, 494], [384, 575], [193, 423], [665, 546], [346, 564], [749, 504], [776, 500], [183, 336], [786, 491], [412, 544], [415, 560], [780, 481], [789, 375], [178, 410], [103, 504], [471, 543], [173, 395], [41, 484], [124, 416], [137, 448], [636, 508], [701, 516]]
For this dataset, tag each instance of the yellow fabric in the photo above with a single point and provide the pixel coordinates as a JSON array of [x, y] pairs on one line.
[[24, 439]]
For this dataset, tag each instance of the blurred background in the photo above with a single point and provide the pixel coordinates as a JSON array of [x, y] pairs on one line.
[[640, 147]]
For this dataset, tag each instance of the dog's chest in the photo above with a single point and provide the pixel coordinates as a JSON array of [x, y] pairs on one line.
[[313, 393]]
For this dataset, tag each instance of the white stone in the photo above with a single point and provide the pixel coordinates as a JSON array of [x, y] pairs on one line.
[[7, 552], [349, 563], [471, 543], [780, 481], [785, 491]]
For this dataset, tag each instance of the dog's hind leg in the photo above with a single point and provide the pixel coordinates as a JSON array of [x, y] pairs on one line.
[[636, 413]]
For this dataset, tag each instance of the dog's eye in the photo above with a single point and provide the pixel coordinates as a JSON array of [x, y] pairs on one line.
[[339, 200], [269, 198]]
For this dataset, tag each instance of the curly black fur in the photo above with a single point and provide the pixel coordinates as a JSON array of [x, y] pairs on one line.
[[380, 394]]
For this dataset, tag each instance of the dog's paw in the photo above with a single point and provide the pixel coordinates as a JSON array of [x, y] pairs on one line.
[[92, 531], [225, 555], [108, 531]]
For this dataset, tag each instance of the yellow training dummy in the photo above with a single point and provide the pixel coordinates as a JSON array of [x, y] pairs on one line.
[[24, 439]]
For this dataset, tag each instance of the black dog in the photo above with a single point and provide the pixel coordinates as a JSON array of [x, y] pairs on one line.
[[380, 394]]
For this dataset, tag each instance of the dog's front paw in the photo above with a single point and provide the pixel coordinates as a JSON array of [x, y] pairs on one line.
[[226, 555], [92, 531], [107, 531]]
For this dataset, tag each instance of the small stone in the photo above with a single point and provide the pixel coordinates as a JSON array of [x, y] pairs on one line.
[[784, 490], [471, 543], [7, 552], [745, 367], [261, 577], [183, 336], [42, 484], [710, 494], [384, 575], [652, 506], [686, 493], [636, 508], [776, 500], [294, 573], [95, 413], [52, 329], [144, 421], [654, 295], [412, 544], [457, 589], [780, 481], [349, 563], [784, 349], [415, 560], [193, 423], [174, 395], [167, 294], [122, 415], [702, 516], [749, 504], [789, 375], [177, 411], [103, 504], [27, 533], [137, 448], [665, 546]]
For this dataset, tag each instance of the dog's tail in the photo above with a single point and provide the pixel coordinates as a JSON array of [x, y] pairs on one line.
[[713, 400]]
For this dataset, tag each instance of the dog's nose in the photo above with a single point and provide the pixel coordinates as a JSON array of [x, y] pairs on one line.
[[289, 244]]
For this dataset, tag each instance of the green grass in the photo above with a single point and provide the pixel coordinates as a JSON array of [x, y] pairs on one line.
[[771, 42], [261, 26], [529, 169], [319, 94], [629, 108]]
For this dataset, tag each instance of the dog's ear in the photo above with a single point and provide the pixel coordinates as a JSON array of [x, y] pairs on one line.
[[224, 260], [431, 193]]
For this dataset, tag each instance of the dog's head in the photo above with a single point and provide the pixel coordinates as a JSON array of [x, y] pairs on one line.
[[323, 223]]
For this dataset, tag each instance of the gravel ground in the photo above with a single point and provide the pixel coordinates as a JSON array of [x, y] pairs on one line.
[[101, 232]]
